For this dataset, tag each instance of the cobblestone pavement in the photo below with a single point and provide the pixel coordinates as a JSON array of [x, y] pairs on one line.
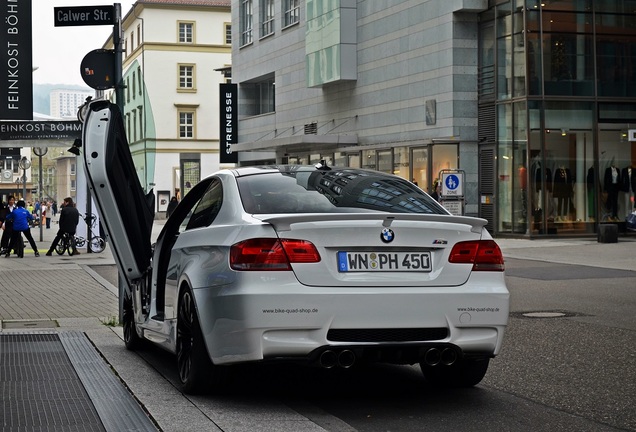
[[52, 294]]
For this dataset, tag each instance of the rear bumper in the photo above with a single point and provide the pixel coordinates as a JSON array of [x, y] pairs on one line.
[[291, 320]]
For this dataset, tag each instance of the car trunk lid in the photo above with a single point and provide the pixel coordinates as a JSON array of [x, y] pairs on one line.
[[380, 249]]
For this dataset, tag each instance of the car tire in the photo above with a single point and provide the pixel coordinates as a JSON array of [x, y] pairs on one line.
[[132, 340], [193, 362], [464, 373]]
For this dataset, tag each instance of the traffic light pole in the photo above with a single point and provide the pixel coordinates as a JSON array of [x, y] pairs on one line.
[[119, 99], [117, 44]]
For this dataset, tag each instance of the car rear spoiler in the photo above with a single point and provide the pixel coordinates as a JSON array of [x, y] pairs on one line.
[[284, 222]]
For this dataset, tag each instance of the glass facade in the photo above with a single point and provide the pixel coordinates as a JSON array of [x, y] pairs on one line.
[[565, 99]]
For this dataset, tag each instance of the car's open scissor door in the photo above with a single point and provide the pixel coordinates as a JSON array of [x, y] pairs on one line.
[[126, 212]]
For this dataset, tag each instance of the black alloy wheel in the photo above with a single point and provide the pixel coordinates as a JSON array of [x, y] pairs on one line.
[[193, 363]]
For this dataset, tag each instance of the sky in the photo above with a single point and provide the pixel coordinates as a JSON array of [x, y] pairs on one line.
[[58, 51]]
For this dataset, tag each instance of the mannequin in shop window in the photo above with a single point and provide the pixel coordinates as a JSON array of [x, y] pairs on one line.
[[541, 186], [611, 185], [591, 194], [523, 186], [563, 191], [628, 185]]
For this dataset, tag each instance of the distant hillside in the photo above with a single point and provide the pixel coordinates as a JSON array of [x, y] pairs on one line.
[[41, 101]]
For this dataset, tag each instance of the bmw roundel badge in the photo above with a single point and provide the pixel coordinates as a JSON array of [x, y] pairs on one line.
[[387, 235]]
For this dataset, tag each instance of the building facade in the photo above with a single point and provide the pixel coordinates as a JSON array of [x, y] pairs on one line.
[[509, 93], [171, 50], [64, 103], [557, 101]]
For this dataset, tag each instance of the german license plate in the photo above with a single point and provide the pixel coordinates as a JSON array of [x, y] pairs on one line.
[[384, 261]]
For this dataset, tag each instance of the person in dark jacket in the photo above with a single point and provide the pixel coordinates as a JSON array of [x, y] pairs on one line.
[[69, 218], [171, 206], [7, 226], [21, 218], [437, 191]]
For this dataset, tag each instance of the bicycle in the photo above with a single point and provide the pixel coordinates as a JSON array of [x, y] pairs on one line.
[[97, 244], [65, 245]]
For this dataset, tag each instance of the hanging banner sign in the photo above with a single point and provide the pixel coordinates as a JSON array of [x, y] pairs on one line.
[[16, 102], [40, 130], [228, 123]]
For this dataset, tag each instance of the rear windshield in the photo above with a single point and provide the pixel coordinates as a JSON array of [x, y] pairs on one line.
[[334, 191]]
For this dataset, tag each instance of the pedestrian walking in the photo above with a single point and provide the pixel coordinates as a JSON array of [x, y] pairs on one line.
[[7, 225], [21, 217], [437, 190], [69, 218], [48, 214], [171, 206]]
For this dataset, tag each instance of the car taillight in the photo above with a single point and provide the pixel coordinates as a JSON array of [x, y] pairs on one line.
[[271, 254], [485, 255]]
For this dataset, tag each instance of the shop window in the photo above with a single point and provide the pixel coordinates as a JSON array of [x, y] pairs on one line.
[[401, 162], [354, 161], [419, 160], [191, 174], [385, 161], [368, 159], [444, 157]]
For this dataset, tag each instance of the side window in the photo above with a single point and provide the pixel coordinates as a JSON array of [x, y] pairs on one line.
[[208, 207]]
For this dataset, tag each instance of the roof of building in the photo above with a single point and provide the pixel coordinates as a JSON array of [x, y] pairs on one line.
[[189, 2]]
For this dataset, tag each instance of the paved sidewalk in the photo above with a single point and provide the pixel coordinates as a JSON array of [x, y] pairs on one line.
[[587, 252], [64, 293]]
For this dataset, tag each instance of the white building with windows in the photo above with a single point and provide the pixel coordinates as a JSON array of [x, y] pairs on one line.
[[64, 103], [173, 51]]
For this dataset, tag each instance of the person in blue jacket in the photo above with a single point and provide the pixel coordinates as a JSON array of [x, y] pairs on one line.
[[21, 217]]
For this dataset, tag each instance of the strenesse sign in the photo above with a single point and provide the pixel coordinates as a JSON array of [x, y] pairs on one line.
[[84, 15]]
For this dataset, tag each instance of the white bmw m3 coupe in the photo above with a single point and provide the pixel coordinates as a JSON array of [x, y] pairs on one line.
[[324, 265]]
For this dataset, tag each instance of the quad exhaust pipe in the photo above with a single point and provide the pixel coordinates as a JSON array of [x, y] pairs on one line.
[[436, 356], [344, 359]]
